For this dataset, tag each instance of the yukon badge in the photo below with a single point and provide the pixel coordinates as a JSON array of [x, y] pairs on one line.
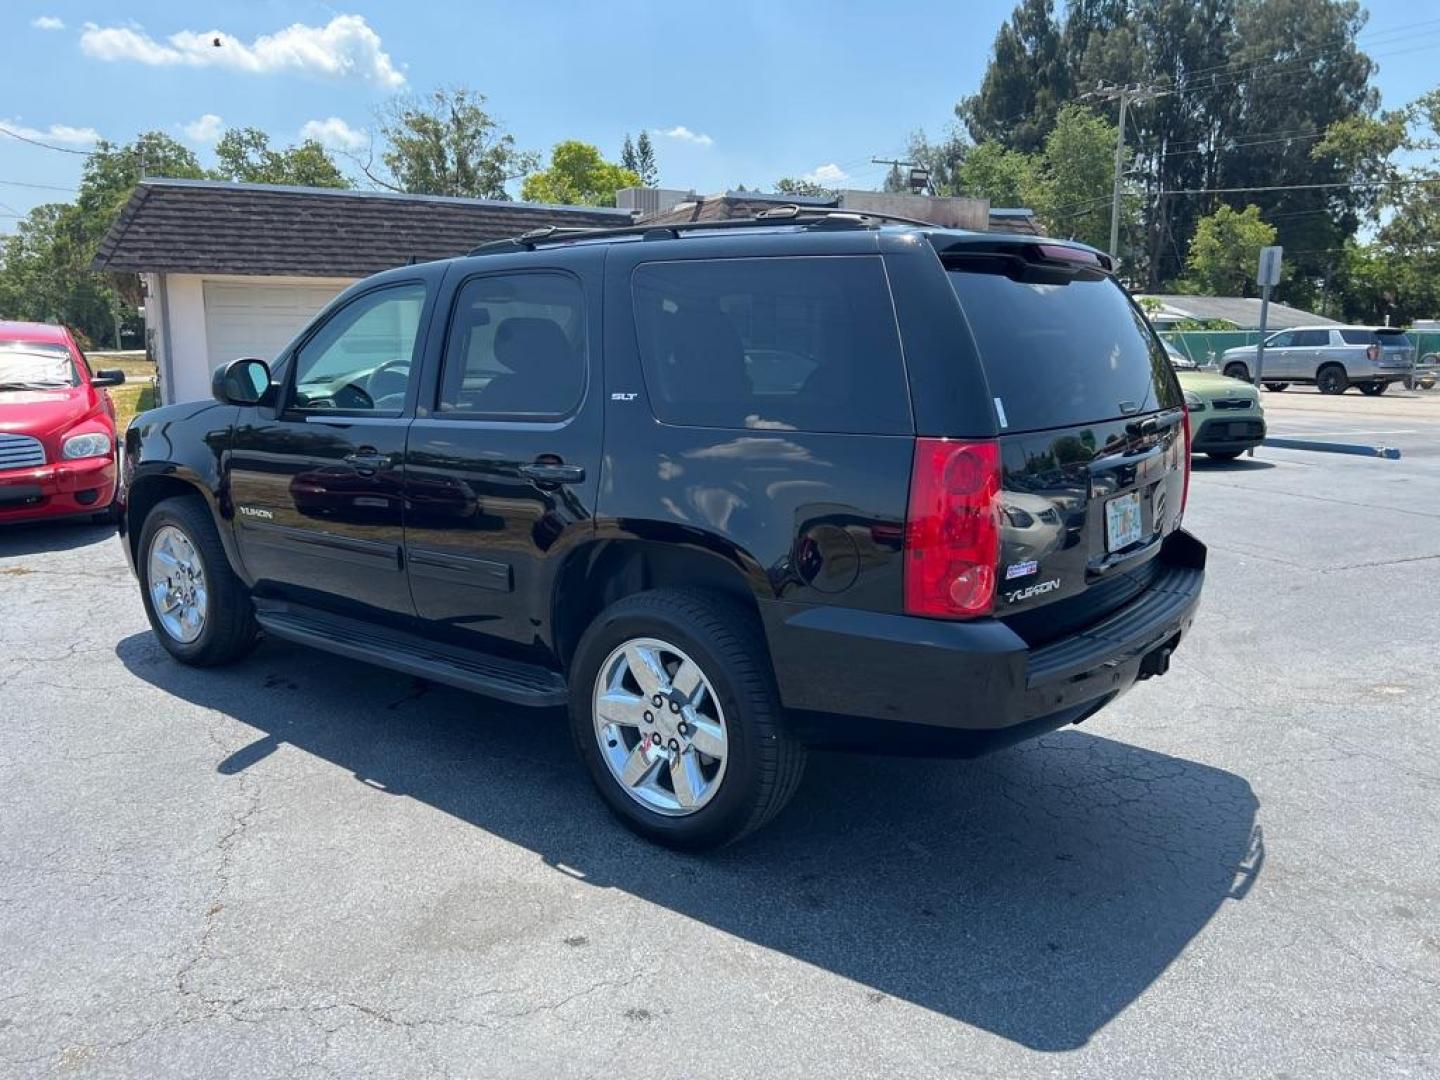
[[256, 512], [1040, 588]]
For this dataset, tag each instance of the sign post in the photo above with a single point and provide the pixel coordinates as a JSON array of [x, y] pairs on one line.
[[1267, 277]]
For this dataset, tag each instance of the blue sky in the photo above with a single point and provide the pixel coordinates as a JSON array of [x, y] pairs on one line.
[[737, 92]]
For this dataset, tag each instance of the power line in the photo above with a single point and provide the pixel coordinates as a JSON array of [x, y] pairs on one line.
[[38, 187], [47, 146]]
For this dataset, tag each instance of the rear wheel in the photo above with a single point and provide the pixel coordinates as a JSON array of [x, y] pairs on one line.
[[1276, 386], [1373, 389], [1237, 371], [675, 713], [197, 606], [1331, 379], [1224, 455]]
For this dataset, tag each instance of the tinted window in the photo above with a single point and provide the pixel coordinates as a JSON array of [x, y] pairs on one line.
[[516, 347], [806, 343], [1069, 350], [1281, 341], [1305, 338], [1391, 339], [361, 358]]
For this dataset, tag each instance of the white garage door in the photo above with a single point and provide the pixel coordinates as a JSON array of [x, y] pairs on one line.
[[251, 319]]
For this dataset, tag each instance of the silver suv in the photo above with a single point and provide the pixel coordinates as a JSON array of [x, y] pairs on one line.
[[1334, 358]]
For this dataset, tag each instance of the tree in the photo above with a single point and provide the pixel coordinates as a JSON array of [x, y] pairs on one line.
[[1024, 83], [628, 158], [789, 185], [1074, 182], [1226, 251], [645, 164], [245, 154], [942, 159], [447, 144], [578, 174], [990, 171]]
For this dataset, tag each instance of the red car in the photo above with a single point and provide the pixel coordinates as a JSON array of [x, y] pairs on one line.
[[58, 450]]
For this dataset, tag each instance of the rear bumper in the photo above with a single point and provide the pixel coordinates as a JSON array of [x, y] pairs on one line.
[[903, 683], [65, 489], [1228, 433]]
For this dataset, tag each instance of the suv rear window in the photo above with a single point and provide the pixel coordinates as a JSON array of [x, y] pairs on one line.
[[1391, 339], [805, 343], [1062, 350]]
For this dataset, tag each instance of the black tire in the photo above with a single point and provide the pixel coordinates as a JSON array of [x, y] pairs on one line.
[[1276, 387], [1373, 389], [230, 630], [1237, 371], [1223, 455], [1331, 379], [764, 761]]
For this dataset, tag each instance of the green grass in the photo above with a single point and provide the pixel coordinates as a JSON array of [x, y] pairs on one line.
[[137, 393], [131, 399]]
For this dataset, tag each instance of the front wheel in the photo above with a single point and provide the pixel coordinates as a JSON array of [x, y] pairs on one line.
[[675, 713], [197, 606], [1372, 389], [1331, 379]]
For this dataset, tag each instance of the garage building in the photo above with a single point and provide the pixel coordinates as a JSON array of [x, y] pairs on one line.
[[238, 269]]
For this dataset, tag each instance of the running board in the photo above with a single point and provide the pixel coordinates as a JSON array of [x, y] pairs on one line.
[[520, 684]]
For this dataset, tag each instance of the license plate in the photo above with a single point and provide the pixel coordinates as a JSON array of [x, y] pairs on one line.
[[1122, 521]]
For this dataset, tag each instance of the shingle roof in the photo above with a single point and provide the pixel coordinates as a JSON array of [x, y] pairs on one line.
[[1243, 311], [205, 226]]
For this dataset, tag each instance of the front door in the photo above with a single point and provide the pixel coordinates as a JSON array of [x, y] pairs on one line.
[[1277, 356], [316, 481], [503, 466]]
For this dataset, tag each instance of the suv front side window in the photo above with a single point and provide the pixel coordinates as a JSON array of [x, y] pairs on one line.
[[360, 360], [1282, 340]]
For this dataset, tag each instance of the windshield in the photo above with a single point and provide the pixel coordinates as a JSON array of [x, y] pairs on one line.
[[35, 365], [1061, 352]]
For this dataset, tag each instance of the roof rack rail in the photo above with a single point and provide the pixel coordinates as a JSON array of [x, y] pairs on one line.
[[821, 217]]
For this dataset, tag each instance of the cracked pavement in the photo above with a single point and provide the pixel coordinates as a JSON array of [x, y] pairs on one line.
[[303, 867]]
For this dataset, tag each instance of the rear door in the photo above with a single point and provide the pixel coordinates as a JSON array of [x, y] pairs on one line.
[[503, 460], [1311, 349], [1091, 432]]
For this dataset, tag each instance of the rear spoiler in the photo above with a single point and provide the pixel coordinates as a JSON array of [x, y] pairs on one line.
[[1055, 253]]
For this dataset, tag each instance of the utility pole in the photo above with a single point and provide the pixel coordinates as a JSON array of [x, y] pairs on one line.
[[1126, 95], [917, 179]]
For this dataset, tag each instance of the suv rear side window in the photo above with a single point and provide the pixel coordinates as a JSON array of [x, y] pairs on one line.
[[516, 346], [805, 343], [1391, 339], [1311, 338], [1063, 351]]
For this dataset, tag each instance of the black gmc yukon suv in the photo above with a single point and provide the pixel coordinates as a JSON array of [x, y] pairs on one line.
[[724, 491]]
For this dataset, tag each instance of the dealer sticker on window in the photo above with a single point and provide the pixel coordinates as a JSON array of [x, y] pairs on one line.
[[1122, 521]]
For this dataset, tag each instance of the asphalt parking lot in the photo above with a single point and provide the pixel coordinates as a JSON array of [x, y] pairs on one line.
[[303, 867]]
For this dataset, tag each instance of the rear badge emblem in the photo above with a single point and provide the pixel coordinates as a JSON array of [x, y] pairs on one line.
[[1040, 588], [1021, 569]]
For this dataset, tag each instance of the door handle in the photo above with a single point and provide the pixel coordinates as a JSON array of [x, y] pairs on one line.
[[547, 472], [367, 462]]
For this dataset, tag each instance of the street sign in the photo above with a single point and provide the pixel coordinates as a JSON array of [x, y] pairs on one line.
[[1269, 273]]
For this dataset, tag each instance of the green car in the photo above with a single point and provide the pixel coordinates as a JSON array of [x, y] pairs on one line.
[[1225, 414]]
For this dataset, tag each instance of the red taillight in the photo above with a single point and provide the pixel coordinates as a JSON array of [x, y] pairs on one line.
[[952, 529], [1185, 434]]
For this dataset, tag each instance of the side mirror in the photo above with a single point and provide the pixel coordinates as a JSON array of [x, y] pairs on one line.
[[241, 382], [107, 377]]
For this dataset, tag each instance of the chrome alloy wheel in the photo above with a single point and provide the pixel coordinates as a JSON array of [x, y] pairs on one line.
[[660, 727], [177, 584]]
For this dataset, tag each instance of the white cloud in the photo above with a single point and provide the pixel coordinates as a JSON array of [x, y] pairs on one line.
[[47, 22], [204, 130], [827, 174], [334, 133], [684, 134], [55, 133], [345, 47]]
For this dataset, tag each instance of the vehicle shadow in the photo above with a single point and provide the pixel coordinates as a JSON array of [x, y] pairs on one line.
[[33, 538], [1034, 894], [1240, 464]]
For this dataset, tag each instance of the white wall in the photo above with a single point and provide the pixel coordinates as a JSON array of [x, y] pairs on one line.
[[185, 358]]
